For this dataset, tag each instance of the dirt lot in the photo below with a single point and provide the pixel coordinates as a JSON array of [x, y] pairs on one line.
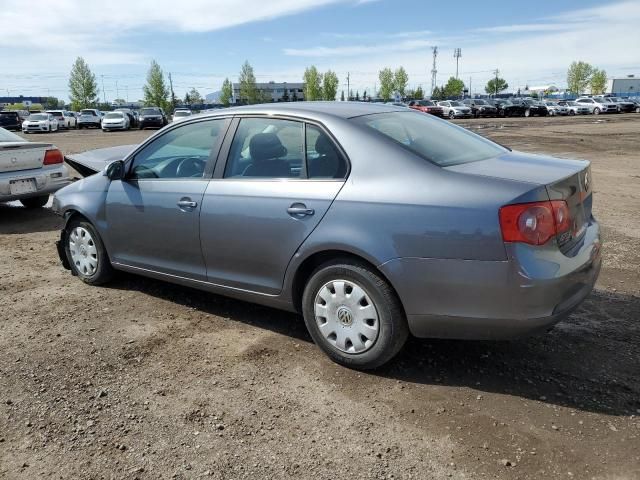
[[142, 379]]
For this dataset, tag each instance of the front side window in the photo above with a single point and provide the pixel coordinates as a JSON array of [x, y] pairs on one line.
[[180, 153], [434, 140], [266, 148]]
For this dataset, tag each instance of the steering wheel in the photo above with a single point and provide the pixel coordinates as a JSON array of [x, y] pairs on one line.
[[190, 167]]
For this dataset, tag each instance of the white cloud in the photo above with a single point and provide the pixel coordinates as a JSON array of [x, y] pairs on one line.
[[358, 50], [532, 27]]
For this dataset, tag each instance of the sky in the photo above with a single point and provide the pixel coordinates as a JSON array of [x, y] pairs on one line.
[[203, 41]]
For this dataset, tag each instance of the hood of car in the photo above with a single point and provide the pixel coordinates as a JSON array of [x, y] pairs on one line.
[[93, 161]]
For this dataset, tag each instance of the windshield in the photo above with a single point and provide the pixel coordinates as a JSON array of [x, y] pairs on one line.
[[8, 114], [149, 111], [38, 116], [114, 115], [426, 103], [439, 142], [181, 114], [56, 114], [7, 136], [87, 112], [480, 102], [457, 104]]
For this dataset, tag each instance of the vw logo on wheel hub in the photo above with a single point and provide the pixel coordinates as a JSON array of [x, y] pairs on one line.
[[345, 317]]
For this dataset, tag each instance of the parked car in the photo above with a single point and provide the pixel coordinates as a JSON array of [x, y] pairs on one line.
[[417, 226], [65, 119], [598, 105], [10, 120], [624, 106], [90, 117], [132, 114], [29, 171], [40, 122], [181, 114], [454, 109], [531, 107], [152, 117], [554, 108], [427, 106], [575, 108], [480, 107], [506, 108], [115, 121]]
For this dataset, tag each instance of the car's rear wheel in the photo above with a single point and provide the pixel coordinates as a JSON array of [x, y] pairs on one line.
[[354, 315], [86, 253], [571, 113], [452, 114], [596, 111], [35, 202]]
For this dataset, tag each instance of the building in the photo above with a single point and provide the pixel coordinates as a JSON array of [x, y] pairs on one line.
[[624, 86], [21, 99], [275, 92]]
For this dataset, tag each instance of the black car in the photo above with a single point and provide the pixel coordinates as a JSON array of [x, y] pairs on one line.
[[506, 108], [480, 107], [11, 120], [152, 117], [531, 107]]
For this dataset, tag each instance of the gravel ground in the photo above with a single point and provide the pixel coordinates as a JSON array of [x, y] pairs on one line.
[[143, 379]]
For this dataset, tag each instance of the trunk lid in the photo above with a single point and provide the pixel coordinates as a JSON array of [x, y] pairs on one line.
[[568, 180], [16, 156]]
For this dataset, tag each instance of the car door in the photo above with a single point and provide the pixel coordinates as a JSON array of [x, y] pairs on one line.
[[266, 199], [153, 214]]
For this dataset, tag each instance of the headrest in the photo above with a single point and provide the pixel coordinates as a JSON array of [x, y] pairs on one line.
[[324, 146], [265, 146]]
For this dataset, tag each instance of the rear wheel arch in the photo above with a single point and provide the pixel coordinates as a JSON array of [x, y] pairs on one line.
[[310, 264]]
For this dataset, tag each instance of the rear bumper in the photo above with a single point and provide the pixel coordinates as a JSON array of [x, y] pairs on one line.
[[469, 299], [45, 182]]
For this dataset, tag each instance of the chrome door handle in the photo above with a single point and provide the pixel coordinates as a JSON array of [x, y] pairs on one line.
[[300, 210], [184, 203]]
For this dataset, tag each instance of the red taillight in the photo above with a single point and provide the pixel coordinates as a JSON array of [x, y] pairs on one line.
[[534, 223], [51, 157]]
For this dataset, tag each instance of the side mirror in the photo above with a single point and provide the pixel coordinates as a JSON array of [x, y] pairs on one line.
[[115, 170]]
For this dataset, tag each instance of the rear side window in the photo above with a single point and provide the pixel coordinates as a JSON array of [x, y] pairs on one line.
[[434, 140], [324, 160], [266, 148]]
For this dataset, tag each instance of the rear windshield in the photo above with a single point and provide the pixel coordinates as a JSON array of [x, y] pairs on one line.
[[149, 111], [181, 114], [457, 104], [56, 114], [426, 103], [7, 136], [9, 114], [434, 140], [87, 112], [114, 115]]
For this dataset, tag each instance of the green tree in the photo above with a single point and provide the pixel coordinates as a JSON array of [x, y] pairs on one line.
[[342, 96], [155, 91], [496, 85], [226, 93], [453, 87], [418, 94], [357, 95], [196, 98], [386, 78], [438, 94], [330, 84], [187, 99], [53, 103], [249, 92], [400, 81], [312, 84], [83, 89], [578, 77], [598, 82], [365, 98]]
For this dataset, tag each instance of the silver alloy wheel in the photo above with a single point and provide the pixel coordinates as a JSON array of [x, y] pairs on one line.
[[346, 316], [84, 253]]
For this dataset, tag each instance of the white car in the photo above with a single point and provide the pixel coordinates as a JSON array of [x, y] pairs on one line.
[[555, 108], [181, 114], [65, 119], [40, 122], [454, 109], [29, 171], [598, 105], [115, 121], [90, 117]]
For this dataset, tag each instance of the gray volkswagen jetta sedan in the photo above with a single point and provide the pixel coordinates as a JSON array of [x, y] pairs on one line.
[[372, 221]]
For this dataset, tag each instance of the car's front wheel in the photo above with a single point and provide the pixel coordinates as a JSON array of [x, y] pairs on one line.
[[86, 253], [354, 315], [596, 111], [452, 114]]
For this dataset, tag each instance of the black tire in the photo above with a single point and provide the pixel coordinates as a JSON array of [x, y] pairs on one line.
[[596, 111], [35, 202], [571, 113], [452, 114], [104, 271], [392, 323]]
